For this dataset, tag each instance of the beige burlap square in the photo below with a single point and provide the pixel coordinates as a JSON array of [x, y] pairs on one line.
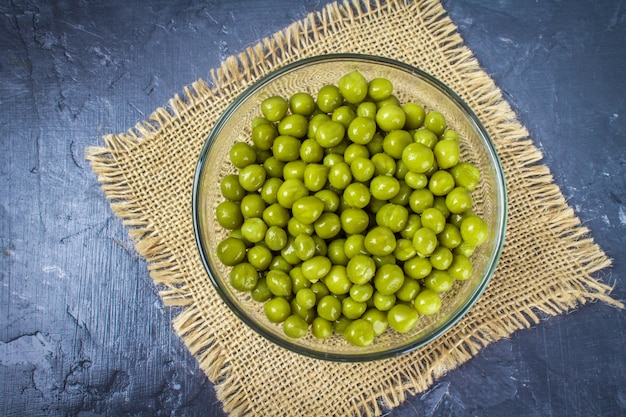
[[546, 267]]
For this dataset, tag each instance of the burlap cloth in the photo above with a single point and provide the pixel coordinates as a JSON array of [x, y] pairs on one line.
[[547, 265]]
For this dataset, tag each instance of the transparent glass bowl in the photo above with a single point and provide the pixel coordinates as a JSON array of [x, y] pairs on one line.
[[410, 84]]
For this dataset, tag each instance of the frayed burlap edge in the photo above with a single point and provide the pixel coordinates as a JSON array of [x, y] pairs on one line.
[[286, 46]]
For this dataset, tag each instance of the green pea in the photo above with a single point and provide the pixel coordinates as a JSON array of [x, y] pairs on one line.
[[253, 229], [286, 148], [402, 318], [302, 103], [304, 246], [275, 238], [242, 154], [447, 153], [231, 251], [413, 223], [384, 164], [269, 190], [361, 130], [367, 109], [307, 209], [329, 308], [352, 309], [417, 267], [336, 252], [298, 280], [450, 237], [418, 158], [274, 108], [459, 200], [337, 280], [279, 263], [441, 183], [315, 122], [427, 302], [273, 167], [409, 290], [441, 258], [380, 241], [361, 292], [377, 319], [404, 250], [290, 191], [420, 200], [343, 115], [316, 268], [289, 252], [277, 309], [450, 134], [295, 327], [354, 220], [315, 176], [353, 87], [461, 268], [296, 227], [260, 257], [438, 281], [474, 230], [392, 99], [354, 245], [376, 144], [415, 115], [252, 177], [263, 135], [425, 137], [384, 302], [388, 279], [433, 219], [356, 195], [311, 151], [278, 282], [305, 297], [231, 189], [243, 277], [262, 155], [294, 169], [276, 215], [435, 122], [329, 98], [380, 89], [361, 269], [261, 293], [330, 133], [384, 187], [395, 142], [359, 333], [329, 198], [393, 216], [465, 249], [466, 175], [252, 205], [439, 203], [321, 328], [425, 241], [390, 117], [229, 215], [339, 175], [327, 226], [415, 180], [403, 196]]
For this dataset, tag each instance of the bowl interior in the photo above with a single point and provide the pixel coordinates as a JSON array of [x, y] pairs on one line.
[[410, 84]]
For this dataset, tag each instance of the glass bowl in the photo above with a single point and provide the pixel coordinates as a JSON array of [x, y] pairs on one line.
[[410, 84]]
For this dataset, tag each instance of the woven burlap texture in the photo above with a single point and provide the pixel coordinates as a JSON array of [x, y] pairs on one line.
[[547, 265]]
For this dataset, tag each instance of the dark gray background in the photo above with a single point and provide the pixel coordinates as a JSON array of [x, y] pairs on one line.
[[82, 330]]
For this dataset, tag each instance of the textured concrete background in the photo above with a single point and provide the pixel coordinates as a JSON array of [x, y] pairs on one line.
[[82, 330]]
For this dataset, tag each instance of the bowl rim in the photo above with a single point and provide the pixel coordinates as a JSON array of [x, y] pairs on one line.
[[463, 308]]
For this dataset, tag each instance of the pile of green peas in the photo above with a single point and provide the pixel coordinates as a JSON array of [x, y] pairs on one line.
[[348, 212]]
